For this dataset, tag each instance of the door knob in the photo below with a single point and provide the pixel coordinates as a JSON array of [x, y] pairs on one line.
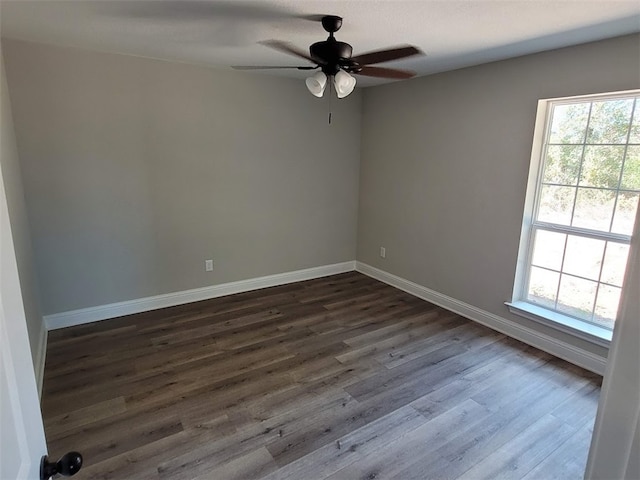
[[68, 465]]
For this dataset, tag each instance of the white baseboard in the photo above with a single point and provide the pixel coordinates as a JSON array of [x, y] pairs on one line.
[[40, 357], [570, 353], [103, 312]]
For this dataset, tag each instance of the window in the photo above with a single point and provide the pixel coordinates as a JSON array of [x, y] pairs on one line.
[[582, 199]]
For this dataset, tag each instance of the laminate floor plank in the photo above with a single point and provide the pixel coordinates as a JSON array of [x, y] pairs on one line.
[[576, 410], [255, 464], [341, 377], [428, 364], [519, 456], [384, 348], [81, 378], [103, 440], [385, 331], [485, 377], [422, 344], [509, 417], [61, 424], [356, 445], [358, 316], [414, 445], [568, 461]]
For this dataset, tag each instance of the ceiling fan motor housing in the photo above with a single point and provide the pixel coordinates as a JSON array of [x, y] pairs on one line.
[[331, 55]]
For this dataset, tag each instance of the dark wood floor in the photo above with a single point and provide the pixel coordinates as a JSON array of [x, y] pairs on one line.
[[341, 377]]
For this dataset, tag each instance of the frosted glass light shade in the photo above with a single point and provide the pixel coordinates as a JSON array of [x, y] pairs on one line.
[[316, 84], [344, 83]]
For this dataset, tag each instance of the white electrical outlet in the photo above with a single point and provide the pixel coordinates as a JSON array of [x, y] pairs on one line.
[[383, 252], [208, 265]]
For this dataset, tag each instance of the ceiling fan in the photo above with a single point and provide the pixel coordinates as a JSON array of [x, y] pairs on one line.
[[335, 61]]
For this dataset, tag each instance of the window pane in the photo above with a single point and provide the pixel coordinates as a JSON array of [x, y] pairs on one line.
[[562, 164], [607, 306], [594, 209], [615, 263], [569, 123], [625, 215], [609, 121], [602, 166], [634, 137], [556, 204], [576, 296], [583, 257], [589, 191], [543, 285], [548, 249], [631, 172]]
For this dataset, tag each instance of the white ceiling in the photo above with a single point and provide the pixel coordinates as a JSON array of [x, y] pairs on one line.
[[452, 33]]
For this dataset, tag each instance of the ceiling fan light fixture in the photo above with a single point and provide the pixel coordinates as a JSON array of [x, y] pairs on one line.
[[344, 83], [316, 84]]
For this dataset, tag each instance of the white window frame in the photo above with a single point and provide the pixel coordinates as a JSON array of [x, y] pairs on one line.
[[519, 304]]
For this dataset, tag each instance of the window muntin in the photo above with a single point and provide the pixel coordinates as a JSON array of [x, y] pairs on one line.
[[586, 200]]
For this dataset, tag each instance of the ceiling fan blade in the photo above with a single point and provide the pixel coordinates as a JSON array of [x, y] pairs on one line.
[[312, 18], [387, 55], [231, 23], [287, 48], [231, 10], [256, 67], [385, 73]]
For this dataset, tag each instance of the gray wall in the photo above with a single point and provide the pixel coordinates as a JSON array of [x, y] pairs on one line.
[[445, 161], [137, 170], [12, 178]]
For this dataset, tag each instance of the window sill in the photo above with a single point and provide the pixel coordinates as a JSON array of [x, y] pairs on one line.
[[584, 330]]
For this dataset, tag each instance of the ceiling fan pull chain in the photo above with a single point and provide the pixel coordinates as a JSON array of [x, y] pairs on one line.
[[330, 82]]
